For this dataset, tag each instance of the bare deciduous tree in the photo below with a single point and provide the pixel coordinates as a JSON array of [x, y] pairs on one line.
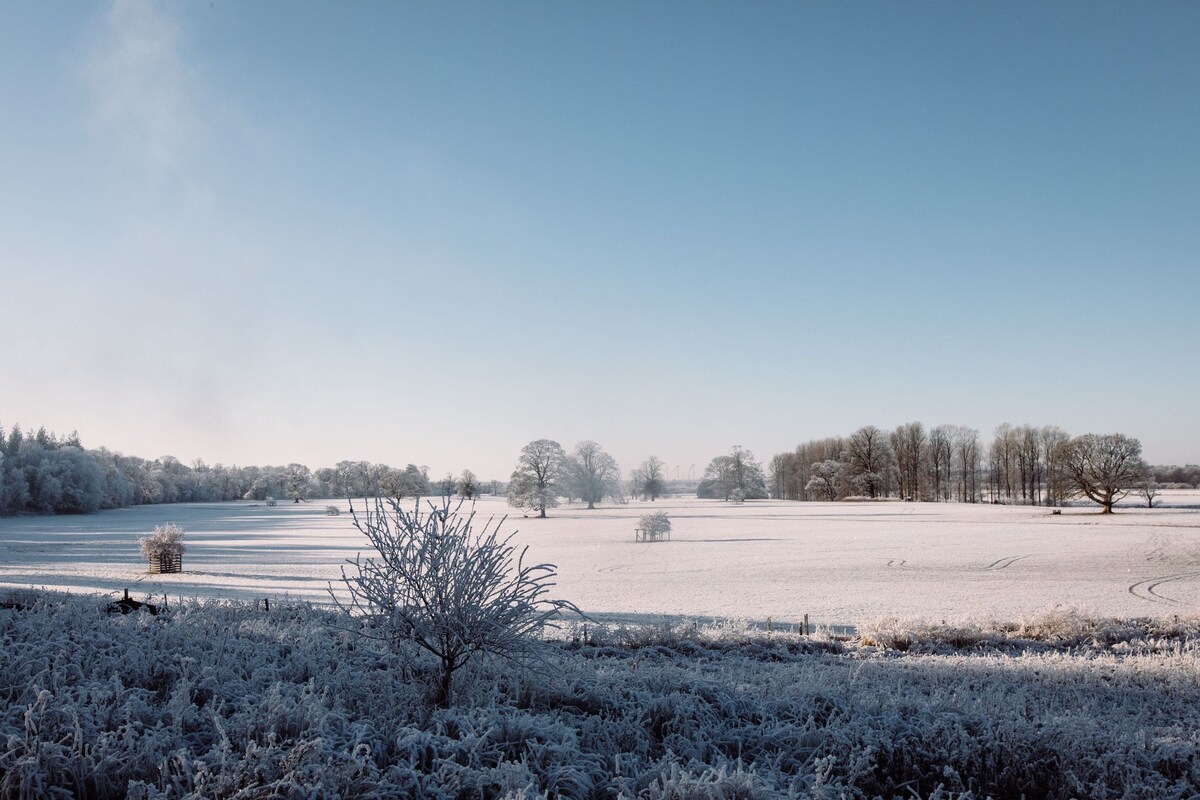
[[736, 471], [468, 485], [910, 446], [534, 483], [593, 474], [1103, 468], [451, 591], [649, 480], [868, 459], [1148, 489], [941, 450]]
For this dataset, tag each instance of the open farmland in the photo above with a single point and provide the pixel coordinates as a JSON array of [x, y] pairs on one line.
[[843, 563]]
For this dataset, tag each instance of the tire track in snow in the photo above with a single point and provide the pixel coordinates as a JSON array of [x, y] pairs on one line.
[[1003, 563], [1147, 589]]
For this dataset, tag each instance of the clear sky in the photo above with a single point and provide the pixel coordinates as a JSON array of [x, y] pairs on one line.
[[263, 232]]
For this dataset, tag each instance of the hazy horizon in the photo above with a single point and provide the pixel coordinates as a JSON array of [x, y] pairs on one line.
[[430, 233]]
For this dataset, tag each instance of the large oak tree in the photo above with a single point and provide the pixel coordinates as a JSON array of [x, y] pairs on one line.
[[1103, 468]]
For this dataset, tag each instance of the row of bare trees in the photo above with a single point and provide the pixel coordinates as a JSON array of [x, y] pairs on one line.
[[942, 463], [1023, 464]]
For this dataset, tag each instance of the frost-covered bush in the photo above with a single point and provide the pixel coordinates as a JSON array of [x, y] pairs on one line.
[[655, 523], [166, 542], [453, 592]]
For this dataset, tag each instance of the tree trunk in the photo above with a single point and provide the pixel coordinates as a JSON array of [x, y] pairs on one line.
[[443, 690]]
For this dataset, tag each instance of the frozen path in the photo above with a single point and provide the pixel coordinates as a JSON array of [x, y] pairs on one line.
[[842, 563]]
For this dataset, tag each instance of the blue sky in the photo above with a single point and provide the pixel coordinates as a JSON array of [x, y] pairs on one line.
[[427, 232]]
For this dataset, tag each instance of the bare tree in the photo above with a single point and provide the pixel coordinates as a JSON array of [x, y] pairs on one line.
[[1103, 468], [1002, 463], [736, 471], [966, 468], [868, 459], [450, 591], [649, 480], [593, 474], [534, 483], [910, 446], [468, 485], [941, 449], [1051, 437], [1148, 489]]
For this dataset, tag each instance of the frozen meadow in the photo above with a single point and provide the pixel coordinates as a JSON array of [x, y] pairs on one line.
[[841, 563], [1005, 690]]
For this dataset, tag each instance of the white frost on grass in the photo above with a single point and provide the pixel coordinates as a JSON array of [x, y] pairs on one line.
[[220, 700], [841, 563]]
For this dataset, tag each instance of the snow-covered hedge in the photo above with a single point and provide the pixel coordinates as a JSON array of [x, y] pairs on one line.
[[216, 700]]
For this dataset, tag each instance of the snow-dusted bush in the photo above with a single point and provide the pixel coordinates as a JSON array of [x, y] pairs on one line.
[[451, 591], [655, 523], [166, 542]]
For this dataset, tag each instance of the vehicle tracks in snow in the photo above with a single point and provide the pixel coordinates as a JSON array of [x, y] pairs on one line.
[[1003, 563], [1148, 589]]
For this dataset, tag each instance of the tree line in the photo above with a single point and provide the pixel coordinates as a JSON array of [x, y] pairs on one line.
[[1022, 464], [42, 473]]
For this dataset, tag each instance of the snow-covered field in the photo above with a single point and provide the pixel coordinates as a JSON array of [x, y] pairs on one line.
[[841, 563]]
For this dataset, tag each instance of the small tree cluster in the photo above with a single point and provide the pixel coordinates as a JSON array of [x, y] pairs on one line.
[[164, 543]]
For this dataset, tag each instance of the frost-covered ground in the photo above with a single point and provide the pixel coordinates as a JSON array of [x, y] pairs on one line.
[[230, 701], [841, 563]]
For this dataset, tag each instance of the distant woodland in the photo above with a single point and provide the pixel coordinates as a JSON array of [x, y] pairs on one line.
[[41, 473]]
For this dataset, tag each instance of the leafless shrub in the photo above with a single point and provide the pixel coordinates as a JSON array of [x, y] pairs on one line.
[[449, 590]]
